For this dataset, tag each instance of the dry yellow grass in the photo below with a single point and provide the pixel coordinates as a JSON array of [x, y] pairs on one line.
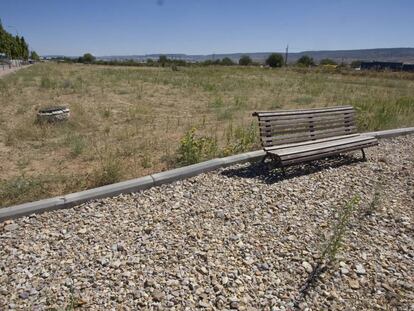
[[128, 122]]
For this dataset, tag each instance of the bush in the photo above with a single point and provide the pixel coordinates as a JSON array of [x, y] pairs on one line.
[[195, 149], [163, 60], [227, 62], [327, 61], [108, 172], [245, 60], [87, 58], [275, 60], [305, 61]]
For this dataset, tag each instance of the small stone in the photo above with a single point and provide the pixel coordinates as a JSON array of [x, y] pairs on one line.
[[354, 284], [173, 283], [203, 270], [263, 267], [11, 227], [203, 304], [104, 261], [359, 269], [308, 267], [149, 283], [157, 295], [234, 305], [116, 264], [117, 247], [220, 214], [344, 270], [24, 295]]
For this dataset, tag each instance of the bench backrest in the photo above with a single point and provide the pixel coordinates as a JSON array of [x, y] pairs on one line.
[[292, 126]]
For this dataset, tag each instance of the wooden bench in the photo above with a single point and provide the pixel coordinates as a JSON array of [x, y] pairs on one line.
[[295, 136]]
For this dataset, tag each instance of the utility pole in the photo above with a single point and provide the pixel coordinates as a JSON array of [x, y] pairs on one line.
[[286, 54]]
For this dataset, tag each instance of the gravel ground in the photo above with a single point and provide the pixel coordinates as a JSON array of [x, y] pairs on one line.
[[236, 238]]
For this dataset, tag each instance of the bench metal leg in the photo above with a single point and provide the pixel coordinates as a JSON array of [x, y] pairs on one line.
[[363, 154]]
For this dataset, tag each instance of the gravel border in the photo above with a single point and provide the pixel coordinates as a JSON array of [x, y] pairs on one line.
[[146, 182]]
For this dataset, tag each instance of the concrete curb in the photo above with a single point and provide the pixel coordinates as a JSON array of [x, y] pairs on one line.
[[392, 133], [142, 183]]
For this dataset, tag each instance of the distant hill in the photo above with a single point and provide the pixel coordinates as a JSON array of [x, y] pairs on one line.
[[405, 55]]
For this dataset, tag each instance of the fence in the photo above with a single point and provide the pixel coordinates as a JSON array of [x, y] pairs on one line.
[[12, 63]]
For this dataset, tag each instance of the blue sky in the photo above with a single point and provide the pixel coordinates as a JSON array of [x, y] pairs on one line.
[[126, 27]]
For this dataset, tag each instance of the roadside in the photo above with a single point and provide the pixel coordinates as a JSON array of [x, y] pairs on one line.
[[6, 70]]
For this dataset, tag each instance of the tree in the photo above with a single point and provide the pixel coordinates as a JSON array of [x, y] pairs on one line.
[[24, 48], [275, 60], [305, 61], [245, 60], [34, 56], [163, 60], [88, 58], [327, 61], [227, 62]]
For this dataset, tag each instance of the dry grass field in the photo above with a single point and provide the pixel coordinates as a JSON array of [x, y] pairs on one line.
[[129, 122]]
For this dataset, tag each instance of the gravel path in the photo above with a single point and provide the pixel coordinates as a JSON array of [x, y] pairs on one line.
[[237, 238]]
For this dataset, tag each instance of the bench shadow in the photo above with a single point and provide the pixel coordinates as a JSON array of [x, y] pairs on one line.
[[269, 174]]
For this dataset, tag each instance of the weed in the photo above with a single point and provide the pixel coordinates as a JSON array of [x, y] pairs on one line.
[[108, 172], [305, 100], [217, 103], [146, 161], [225, 114], [106, 113], [22, 188], [330, 247], [375, 202], [195, 149], [241, 139], [47, 83], [76, 144], [333, 244]]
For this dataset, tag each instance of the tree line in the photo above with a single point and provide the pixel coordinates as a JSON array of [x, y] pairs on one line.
[[15, 47], [274, 60]]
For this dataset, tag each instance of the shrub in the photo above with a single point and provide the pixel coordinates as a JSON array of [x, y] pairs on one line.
[[87, 58], [108, 172], [245, 60], [327, 61], [227, 62], [241, 139], [76, 144], [194, 149], [162, 60], [305, 61], [275, 60]]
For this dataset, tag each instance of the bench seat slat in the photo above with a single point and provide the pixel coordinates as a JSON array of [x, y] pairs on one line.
[[309, 142], [321, 155], [330, 145]]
